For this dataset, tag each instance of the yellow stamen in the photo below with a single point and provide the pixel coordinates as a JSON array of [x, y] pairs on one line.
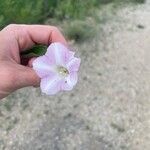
[[62, 71]]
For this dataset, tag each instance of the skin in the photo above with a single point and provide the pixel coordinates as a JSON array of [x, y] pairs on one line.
[[14, 39]]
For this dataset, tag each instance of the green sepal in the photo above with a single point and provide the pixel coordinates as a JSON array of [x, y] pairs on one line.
[[35, 51]]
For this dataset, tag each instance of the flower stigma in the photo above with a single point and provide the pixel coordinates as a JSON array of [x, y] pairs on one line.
[[62, 71]]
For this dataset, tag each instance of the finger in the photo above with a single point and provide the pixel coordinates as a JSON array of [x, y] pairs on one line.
[[30, 62], [27, 77], [28, 35]]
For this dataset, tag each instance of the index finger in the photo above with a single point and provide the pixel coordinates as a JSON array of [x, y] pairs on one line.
[[28, 35]]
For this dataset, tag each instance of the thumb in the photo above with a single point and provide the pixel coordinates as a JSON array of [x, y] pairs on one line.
[[27, 77]]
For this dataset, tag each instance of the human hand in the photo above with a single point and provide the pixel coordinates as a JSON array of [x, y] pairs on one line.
[[15, 39]]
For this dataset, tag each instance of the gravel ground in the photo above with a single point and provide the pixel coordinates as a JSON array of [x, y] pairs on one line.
[[108, 109]]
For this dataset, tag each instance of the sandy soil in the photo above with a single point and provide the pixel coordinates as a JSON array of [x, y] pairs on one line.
[[108, 109]]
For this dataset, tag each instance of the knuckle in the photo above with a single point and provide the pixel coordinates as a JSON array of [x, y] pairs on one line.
[[8, 78], [10, 75], [11, 27], [13, 79], [55, 29]]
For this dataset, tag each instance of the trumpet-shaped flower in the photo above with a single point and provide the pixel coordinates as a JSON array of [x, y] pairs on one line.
[[57, 69]]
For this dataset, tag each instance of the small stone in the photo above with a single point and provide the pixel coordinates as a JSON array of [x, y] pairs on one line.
[[140, 26]]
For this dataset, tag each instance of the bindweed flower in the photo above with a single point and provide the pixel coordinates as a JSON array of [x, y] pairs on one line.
[[57, 69]]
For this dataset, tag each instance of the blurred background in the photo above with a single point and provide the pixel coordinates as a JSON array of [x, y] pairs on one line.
[[74, 14], [109, 107]]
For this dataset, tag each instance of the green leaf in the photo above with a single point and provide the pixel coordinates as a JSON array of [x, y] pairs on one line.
[[35, 51]]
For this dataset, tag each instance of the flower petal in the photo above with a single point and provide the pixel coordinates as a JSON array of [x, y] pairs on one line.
[[72, 79], [68, 83], [58, 52], [43, 66], [69, 56], [50, 85], [74, 64], [66, 87]]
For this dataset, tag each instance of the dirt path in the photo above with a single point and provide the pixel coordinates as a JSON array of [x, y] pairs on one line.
[[110, 107]]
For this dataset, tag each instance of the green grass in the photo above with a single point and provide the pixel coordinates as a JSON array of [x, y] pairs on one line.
[[124, 1], [18, 11], [74, 12]]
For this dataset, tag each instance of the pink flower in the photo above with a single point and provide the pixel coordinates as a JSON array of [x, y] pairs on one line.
[[57, 69]]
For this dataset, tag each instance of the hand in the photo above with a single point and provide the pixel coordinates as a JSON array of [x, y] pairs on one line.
[[15, 39]]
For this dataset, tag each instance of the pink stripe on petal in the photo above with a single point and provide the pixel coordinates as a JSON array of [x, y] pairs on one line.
[[51, 53], [42, 66], [74, 64], [72, 79], [51, 86], [58, 52]]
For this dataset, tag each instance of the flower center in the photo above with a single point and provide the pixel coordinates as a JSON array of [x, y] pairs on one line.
[[62, 71]]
